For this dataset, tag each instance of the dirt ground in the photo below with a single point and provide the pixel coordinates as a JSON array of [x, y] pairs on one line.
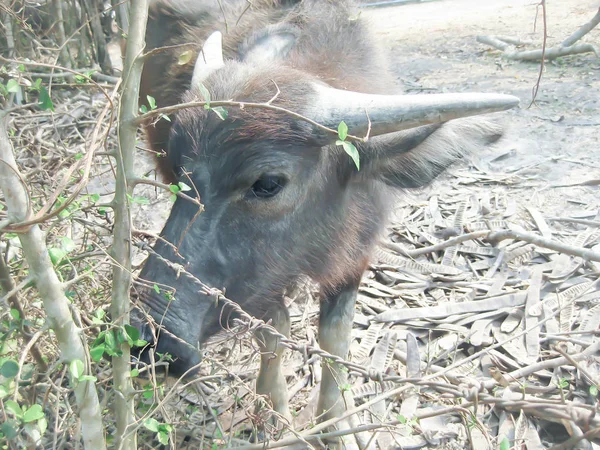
[[548, 160], [433, 48], [547, 167], [555, 142]]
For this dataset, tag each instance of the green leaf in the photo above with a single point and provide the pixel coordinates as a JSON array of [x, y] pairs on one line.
[[87, 378], [138, 200], [132, 332], [9, 430], [42, 425], [205, 95], [342, 130], [220, 112], [174, 188], [33, 413], [148, 394], [184, 187], [56, 254], [45, 100], [67, 244], [163, 438], [164, 116], [15, 314], [594, 391], [134, 373], [151, 101], [95, 197], [151, 424], [143, 109], [505, 444], [184, 58], [168, 428], [12, 85], [76, 368], [345, 387], [13, 407], [21, 67], [9, 369], [109, 339], [97, 352], [351, 150], [140, 343], [4, 392], [173, 198], [156, 289]]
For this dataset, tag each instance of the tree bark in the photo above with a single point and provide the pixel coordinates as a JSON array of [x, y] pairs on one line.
[[69, 336], [120, 307]]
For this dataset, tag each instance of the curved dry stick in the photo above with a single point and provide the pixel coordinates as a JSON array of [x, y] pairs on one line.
[[497, 236], [172, 109], [540, 241], [43, 215], [567, 47], [55, 303], [54, 66], [583, 30], [124, 408], [552, 53]]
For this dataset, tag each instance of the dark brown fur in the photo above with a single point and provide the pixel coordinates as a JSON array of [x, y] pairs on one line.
[[345, 64], [327, 217]]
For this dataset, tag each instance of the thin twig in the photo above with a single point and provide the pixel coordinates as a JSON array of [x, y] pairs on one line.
[[242, 105]]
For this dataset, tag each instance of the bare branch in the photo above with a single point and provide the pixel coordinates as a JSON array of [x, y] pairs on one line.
[[56, 304], [582, 31], [242, 105], [121, 250]]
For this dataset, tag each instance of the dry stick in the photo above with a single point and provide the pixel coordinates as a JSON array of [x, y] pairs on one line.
[[570, 443], [64, 50], [242, 105], [55, 303], [254, 324], [43, 215], [567, 47], [589, 223], [121, 249], [500, 236], [437, 247], [540, 241], [8, 286], [548, 364], [583, 30], [53, 67], [544, 42], [24, 282], [166, 187], [28, 347], [551, 53]]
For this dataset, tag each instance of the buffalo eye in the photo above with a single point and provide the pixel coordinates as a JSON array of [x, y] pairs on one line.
[[267, 186]]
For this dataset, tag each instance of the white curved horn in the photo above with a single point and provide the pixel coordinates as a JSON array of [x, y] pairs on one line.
[[391, 113], [209, 59]]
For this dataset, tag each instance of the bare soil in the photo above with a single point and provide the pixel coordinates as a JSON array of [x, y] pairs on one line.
[[554, 142], [548, 160]]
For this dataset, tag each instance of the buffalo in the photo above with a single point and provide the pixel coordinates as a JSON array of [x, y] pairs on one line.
[[282, 198]]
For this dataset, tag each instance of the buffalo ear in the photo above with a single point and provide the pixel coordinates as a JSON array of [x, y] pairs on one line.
[[413, 158], [272, 43]]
